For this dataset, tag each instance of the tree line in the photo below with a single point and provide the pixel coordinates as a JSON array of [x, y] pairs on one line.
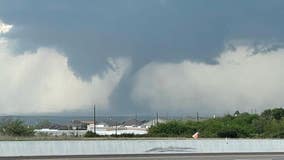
[[268, 124]]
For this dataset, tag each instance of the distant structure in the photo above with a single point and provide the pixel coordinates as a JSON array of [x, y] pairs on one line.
[[133, 123], [92, 127], [153, 123]]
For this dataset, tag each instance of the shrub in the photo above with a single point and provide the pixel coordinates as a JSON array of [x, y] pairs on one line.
[[91, 134], [15, 128], [228, 133]]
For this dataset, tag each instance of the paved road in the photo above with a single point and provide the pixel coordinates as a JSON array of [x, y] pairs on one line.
[[253, 156]]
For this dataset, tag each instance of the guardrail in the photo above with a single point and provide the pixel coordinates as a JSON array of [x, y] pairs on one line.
[[114, 147]]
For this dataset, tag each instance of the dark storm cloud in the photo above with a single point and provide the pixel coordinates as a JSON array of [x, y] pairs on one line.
[[91, 31]]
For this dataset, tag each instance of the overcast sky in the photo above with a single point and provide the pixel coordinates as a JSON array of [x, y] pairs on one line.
[[137, 56]]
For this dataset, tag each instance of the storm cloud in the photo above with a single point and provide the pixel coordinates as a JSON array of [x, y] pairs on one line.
[[41, 81], [117, 50], [242, 79]]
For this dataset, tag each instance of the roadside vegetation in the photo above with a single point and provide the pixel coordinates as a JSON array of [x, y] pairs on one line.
[[269, 124], [15, 128]]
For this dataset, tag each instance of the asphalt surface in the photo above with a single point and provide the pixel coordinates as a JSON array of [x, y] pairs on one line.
[[227, 156]]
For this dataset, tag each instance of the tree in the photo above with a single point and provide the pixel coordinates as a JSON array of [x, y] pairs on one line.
[[277, 113], [267, 114], [15, 128]]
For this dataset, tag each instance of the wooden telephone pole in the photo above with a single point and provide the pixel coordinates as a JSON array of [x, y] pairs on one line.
[[94, 118]]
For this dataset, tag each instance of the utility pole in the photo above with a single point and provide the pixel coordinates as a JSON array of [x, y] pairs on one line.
[[94, 118], [197, 117], [157, 116], [136, 119], [115, 128]]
